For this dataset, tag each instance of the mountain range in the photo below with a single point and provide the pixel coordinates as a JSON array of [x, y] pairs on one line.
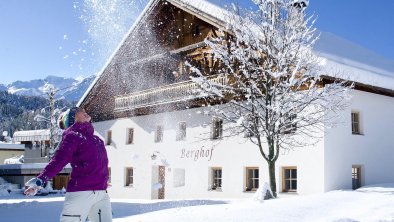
[[69, 88]]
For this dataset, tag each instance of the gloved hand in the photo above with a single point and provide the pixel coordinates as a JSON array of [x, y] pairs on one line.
[[34, 185]]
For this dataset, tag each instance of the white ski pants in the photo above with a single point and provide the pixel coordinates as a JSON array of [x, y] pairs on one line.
[[82, 204]]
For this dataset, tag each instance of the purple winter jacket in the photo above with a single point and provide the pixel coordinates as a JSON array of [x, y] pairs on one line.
[[87, 155]]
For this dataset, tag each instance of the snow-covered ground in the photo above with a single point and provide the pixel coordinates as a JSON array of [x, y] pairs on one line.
[[373, 203]]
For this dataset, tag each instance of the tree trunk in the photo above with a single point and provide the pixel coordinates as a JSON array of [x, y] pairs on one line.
[[271, 169]]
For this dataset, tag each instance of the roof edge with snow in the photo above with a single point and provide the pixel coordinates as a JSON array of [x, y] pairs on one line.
[[215, 15]]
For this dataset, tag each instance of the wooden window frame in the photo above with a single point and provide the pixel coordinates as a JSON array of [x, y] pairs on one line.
[[129, 136], [214, 179], [356, 123], [248, 133], [43, 148], [288, 125], [284, 188], [129, 179], [356, 174], [292, 127], [254, 179], [108, 138], [217, 128], [181, 132], [159, 134]]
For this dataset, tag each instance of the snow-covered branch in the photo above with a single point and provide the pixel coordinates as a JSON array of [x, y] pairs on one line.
[[275, 91]]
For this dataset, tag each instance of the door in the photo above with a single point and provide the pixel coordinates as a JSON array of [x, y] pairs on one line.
[[162, 174], [356, 177]]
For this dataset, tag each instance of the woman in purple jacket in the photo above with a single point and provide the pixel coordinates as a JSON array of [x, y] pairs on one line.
[[86, 191]]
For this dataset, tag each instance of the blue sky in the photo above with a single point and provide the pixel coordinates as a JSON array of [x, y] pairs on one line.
[[70, 38], [33, 42]]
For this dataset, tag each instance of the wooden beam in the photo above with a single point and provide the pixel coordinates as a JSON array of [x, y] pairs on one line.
[[187, 48]]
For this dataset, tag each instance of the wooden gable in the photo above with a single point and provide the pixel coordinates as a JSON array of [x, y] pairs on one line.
[[153, 55]]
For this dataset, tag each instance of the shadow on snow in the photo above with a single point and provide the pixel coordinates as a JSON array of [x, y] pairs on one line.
[[35, 211], [130, 209]]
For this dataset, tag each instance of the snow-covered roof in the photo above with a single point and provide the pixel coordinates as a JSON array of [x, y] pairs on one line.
[[27, 166], [204, 10], [344, 59], [31, 135], [14, 160], [11, 146]]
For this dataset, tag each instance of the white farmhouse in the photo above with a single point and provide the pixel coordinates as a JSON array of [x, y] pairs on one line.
[[161, 145]]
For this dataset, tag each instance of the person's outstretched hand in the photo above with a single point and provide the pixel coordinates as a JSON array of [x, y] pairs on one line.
[[34, 185]]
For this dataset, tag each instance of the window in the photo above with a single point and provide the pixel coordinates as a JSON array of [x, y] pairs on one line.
[[108, 141], [216, 179], [356, 177], [250, 125], [44, 147], [290, 126], [289, 179], [159, 134], [181, 133], [248, 134], [217, 128], [129, 177], [356, 123], [197, 30], [252, 179], [109, 174], [179, 177], [130, 136]]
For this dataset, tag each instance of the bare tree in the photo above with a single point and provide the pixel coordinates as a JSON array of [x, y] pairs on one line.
[[274, 92], [54, 130]]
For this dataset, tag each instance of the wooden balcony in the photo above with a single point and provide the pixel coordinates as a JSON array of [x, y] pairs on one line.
[[177, 92]]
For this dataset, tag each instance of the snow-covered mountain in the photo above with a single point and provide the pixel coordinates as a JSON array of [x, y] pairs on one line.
[[69, 88], [3, 87]]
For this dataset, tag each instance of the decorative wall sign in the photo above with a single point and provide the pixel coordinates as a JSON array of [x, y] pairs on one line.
[[197, 154]]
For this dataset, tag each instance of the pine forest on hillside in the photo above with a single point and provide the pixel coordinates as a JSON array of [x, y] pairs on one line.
[[17, 112]]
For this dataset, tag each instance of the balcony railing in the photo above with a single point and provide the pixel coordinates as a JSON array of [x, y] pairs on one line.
[[182, 91]]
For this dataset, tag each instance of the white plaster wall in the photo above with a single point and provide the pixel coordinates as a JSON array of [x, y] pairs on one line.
[[232, 155], [310, 168], [121, 156], [373, 150]]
